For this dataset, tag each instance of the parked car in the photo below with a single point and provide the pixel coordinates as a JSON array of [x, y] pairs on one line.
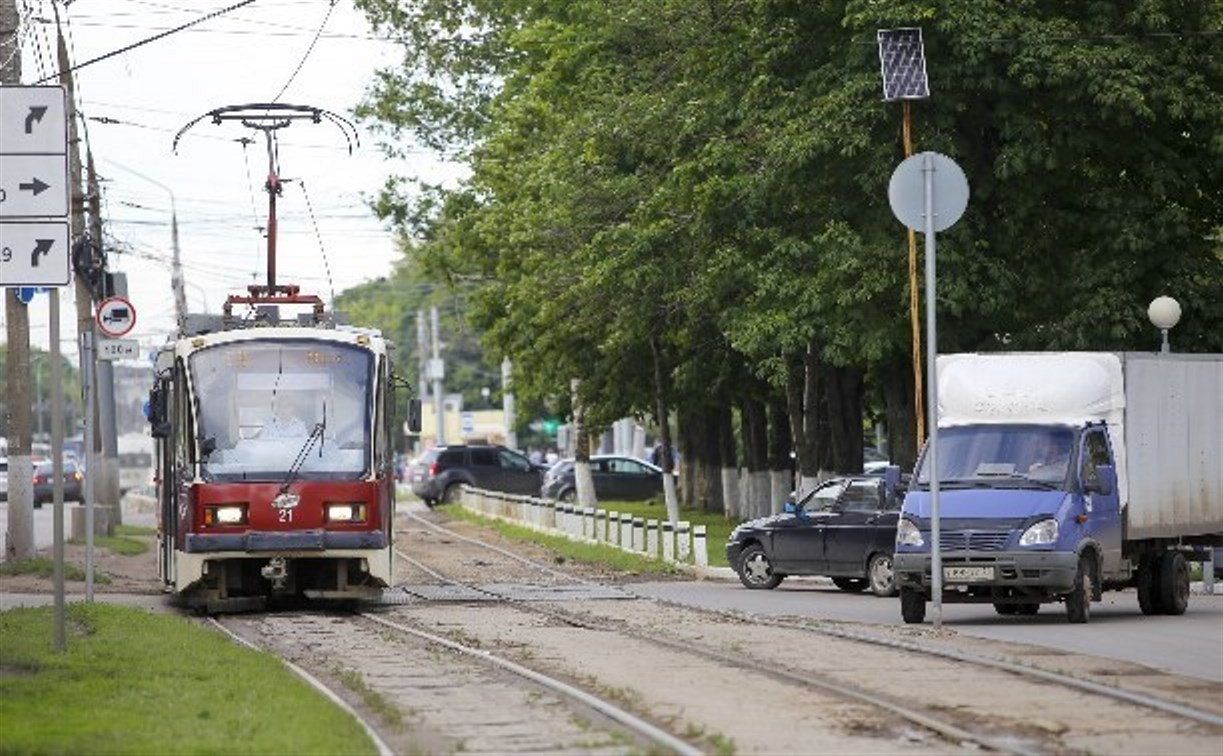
[[44, 480], [616, 478], [844, 529], [439, 472], [3, 478]]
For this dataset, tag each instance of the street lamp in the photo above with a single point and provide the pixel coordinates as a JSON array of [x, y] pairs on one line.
[[1164, 313]]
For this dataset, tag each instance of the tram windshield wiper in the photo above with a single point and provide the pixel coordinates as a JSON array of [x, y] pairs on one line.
[[316, 434]]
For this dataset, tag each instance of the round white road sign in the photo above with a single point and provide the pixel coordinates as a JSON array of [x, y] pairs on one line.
[[115, 317], [907, 191]]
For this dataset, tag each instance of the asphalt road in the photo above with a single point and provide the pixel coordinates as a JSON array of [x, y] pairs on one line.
[[1191, 644], [44, 522]]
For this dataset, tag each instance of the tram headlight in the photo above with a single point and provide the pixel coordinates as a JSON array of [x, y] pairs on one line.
[[225, 514], [345, 512]]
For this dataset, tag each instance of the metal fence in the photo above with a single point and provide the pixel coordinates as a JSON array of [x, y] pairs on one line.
[[681, 543]]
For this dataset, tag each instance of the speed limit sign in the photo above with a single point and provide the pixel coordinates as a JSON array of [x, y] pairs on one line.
[[115, 316]]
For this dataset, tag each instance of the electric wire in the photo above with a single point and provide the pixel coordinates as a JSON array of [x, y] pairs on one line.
[[306, 55], [147, 40], [319, 236]]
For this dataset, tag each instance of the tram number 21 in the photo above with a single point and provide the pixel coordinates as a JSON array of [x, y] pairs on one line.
[[286, 515]]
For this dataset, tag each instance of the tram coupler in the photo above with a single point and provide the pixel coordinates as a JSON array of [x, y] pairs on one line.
[[277, 571]]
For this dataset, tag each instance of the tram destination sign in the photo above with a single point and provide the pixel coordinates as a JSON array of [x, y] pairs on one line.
[[33, 186]]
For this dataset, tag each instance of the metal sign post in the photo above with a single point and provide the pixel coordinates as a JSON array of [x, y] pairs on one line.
[[929, 191]]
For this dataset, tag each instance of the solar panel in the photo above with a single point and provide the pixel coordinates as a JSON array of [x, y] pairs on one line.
[[903, 64]]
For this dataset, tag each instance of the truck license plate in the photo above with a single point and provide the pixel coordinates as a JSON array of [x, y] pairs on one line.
[[967, 574]]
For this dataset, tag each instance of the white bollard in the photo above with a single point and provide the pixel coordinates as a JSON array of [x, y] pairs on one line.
[[626, 532], [602, 525], [681, 539], [591, 522], [638, 534], [651, 538], [700, 547], [668, 542]]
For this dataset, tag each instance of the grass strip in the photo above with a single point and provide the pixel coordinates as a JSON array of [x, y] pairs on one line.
[[137, 682], [45, 568], [116, 544], [565, 549], [134, 530]]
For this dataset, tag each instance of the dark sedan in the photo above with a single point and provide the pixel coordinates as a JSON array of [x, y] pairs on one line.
[[616, 478], [844, 529], [44, 483]]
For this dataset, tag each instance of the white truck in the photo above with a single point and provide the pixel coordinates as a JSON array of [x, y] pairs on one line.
[[1062, 475]]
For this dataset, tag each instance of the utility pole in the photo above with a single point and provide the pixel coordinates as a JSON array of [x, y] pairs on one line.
[[82, 264], [20, 537], [109, 467]]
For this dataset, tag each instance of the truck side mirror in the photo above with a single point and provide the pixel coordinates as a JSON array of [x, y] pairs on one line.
[[1105, 482], [413, 415]]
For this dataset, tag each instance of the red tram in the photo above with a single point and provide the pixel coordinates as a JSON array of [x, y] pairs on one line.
[[275, 469], [275, 465]]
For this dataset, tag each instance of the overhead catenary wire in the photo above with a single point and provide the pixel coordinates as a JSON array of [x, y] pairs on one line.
[[146, 41], [306, 55]]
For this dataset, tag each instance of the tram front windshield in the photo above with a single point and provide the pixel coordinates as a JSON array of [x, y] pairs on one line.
[[266, 408]]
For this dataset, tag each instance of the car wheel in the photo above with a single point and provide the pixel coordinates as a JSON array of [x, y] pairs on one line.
[[1005, 610], [452, 494], [1174, 583], [879, 573], [568, 496], [1078, 601], [912, 606], [755, 570], [850, 585], [1027, 610]]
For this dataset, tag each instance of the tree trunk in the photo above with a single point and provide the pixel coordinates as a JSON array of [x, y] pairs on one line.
[[583, 480], [897, 385], [779, 454], [805, 468], [755, 450], [702, 459], [815, 417], [845, 399], [729, 460], [663, 409]]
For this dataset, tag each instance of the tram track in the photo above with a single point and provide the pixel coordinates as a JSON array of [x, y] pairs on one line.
[[956, 729], [442, 703]]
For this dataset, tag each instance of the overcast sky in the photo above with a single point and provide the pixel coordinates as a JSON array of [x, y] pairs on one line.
[[151, 92]]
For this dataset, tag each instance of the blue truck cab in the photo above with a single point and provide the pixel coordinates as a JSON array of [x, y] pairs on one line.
[[1062, 475]]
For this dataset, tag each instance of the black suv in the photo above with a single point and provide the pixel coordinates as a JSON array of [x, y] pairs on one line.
[[439, 472]]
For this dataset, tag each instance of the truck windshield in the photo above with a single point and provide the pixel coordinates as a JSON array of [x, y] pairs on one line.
[[258, 403], [979, 454]]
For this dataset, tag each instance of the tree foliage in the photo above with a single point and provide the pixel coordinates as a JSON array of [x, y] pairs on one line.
[[712, 175]]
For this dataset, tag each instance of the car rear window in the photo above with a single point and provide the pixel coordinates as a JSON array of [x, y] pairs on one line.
[[451, 457], [428, 457]]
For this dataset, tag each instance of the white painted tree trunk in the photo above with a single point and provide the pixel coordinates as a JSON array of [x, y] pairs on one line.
[[760, 493], [672, 501], [805, 484], [779, 481], [19, 541], [585, 484], [730, 492]]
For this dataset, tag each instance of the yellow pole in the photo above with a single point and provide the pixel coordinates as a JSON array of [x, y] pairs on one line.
[[914, 319]]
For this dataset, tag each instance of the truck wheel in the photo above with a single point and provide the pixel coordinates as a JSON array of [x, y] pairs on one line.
[[1149, 599], [1078, 601], [1173, 583], [1005, 609], [912, 606], [1027, 610]]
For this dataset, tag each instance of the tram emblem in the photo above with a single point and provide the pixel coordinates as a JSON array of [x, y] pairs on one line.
[[286, 501]]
